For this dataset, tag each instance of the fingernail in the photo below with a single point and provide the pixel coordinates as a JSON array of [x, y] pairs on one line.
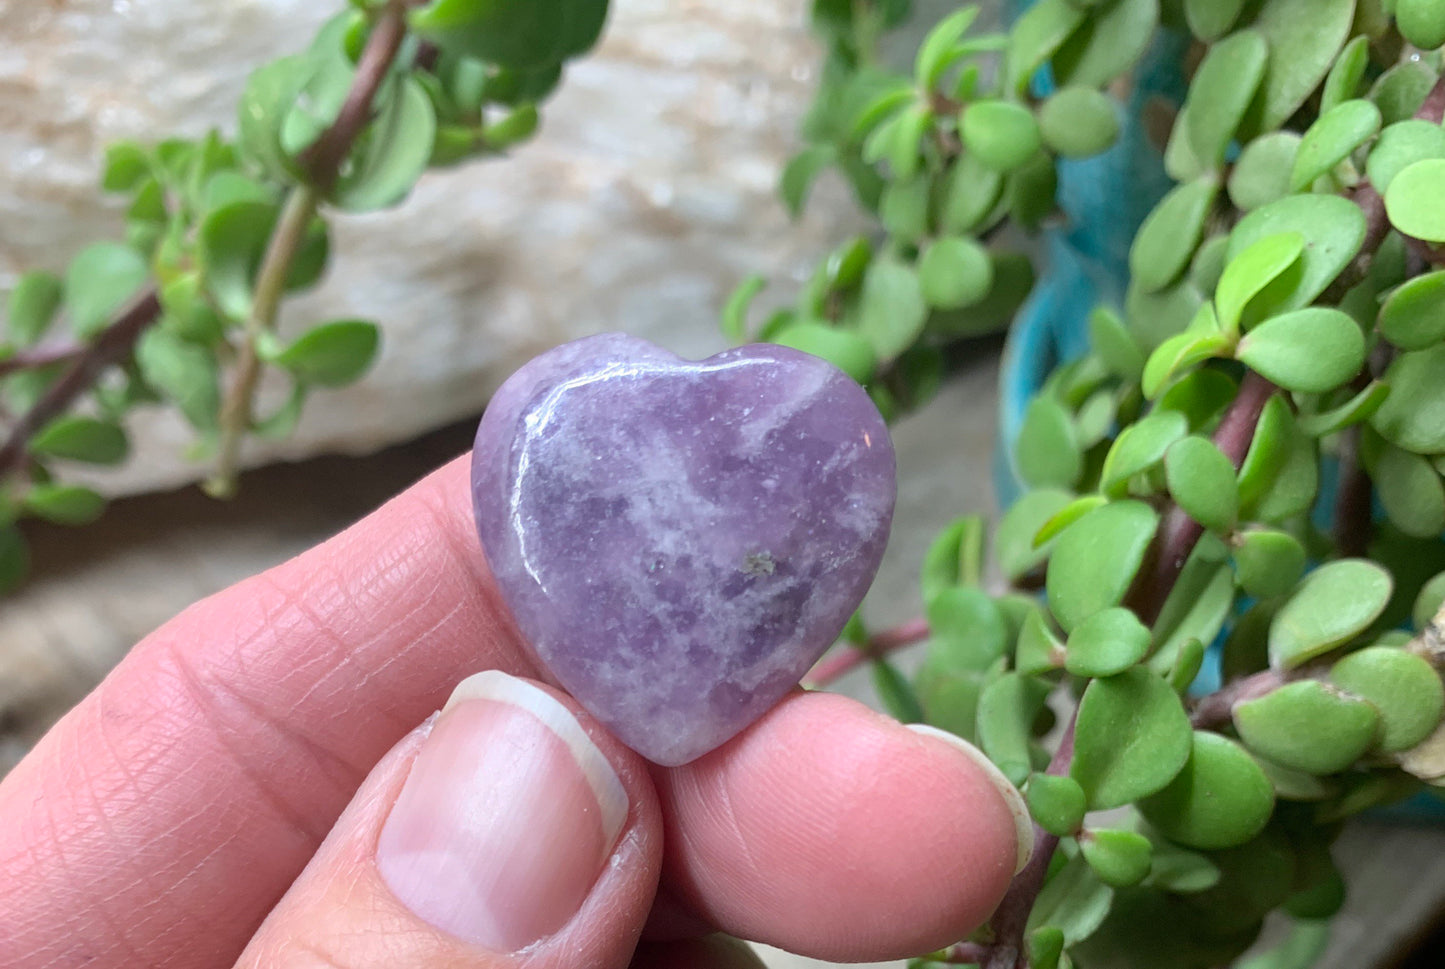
[[506, 820], [1023, 821]]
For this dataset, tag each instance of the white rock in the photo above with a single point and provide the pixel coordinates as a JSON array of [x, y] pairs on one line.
[[647, 196]]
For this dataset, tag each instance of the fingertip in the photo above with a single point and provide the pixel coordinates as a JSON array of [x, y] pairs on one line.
[[830, 830]]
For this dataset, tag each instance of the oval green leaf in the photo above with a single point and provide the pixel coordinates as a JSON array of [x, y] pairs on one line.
[[1333, 605], [1415, 203], [1108, 642], [1402, 686], [1332, 138], [1131, 738], [1311, 350], [1308, 726], [1220, 799]]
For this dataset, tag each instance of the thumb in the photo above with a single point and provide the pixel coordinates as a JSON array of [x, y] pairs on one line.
[[511, 829]]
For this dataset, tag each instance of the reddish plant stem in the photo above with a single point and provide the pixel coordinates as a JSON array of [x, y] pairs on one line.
[[1353, 502], [831, 667], [1011, 917], [43, 356], [110, 346], [324, 158], [1178, 534], [1217, 708]]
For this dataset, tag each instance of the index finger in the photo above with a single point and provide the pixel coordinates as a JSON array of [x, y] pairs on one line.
[[161, 819]]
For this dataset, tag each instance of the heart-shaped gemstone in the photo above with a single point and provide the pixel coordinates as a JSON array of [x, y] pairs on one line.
[[678, 541]]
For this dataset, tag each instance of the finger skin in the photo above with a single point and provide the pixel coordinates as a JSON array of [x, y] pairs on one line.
[[341, 915], [161, 819], [830, 830]]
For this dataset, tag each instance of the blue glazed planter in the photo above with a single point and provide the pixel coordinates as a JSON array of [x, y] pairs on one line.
[[1104, 200]]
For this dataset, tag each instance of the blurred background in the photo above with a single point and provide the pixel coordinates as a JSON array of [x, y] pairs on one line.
[[648, 195]]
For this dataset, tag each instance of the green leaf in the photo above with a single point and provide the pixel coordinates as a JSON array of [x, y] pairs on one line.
[[1187, 664], [844, 349], [388, 161], [971, 191], [282, 423], [1115, 345], [1108, 642], [1040, 31], [955, 557], [511, 129], [734, 321], [1404, 687], [1220, 799], [1109, 42], [1201, 397], [1001, 134], [935, 54], [1332, 138], [270, 93], [1410, 490], [800, 173], [1056, 803], [1333, 229], [1038, 650], [1171, 233], [1400, 146], [1201, 480], [903, 208], [1078, 122], [1032, 191], [1302, 948], [1358, 409], [1177, 354], [1311, 350], [1268, 451], [1139, 447], [519, 35], [99, 283], [330, 355], [1413, 318], [1074, 901], [1211, 19], [904, 147], [81, 439], [1261, 174], [1421, 22], [1343, 81], [64, 504], [1046, 451], [1006, 713], [1120, 858], [184, 373], [1252, 272], [1066, 516], [955, 271], [32, 306], [891, 308], [126, 165], [233, 241], [1413, 416], [14, 558], [1045, 947], [1202, 599], [1131, 738], [1268, 563], [1333, 605], [1415, 203], [1221, 91], [1013, 543], [1428, 603], [1308, 726], [897, 696], [967, 633], [1096, 558], [1402, 89], [1181, 871], [1303, 38]]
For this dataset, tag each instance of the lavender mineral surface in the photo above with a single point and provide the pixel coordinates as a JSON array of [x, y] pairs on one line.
[[678, 541]]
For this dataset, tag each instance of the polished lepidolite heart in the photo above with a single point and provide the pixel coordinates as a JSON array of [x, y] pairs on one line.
[[678, 541]]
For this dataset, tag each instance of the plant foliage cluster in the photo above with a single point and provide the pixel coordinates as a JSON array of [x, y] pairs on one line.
[[182, 312], [1244, 471]]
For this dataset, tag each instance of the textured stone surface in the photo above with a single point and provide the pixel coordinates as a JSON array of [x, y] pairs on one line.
[[647, 195], [679, 541]]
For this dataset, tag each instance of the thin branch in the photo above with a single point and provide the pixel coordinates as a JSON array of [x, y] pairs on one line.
[[1011, 918], [34, 358], [111, 346], [235, 417], [828, 669], [324, 158], [1178, 534]]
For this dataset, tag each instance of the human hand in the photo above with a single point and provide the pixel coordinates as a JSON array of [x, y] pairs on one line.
[[251, 784]]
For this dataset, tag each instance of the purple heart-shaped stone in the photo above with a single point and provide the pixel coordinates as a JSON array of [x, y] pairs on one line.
[[679, 540]]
